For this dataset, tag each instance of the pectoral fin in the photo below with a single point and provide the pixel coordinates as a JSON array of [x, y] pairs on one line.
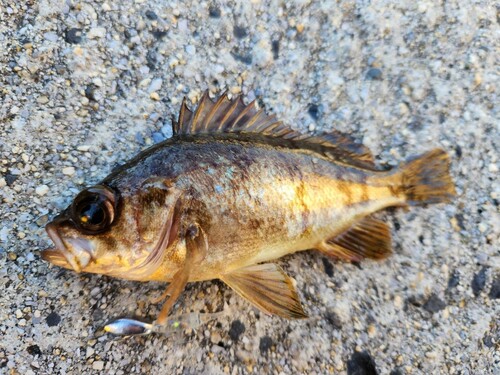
[[269, 288], [369, 238], [196, 250]]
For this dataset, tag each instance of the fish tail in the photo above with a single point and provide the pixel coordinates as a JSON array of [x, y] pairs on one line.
[[426, 179]]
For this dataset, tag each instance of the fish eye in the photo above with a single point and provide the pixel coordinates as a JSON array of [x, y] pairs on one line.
[[93, 209], [93, 214]]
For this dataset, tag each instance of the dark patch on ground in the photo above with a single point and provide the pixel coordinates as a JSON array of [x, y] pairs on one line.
[[374, 74], [265, 344], [236, 330], [328, 266], [53, 319], [361, 363], [240, 32], [434, 304], [333, 318], [479, 281], [495, 289], [454, 280], [313, 111], [34, 350], [214, 11], [275, 46], [73, 36]]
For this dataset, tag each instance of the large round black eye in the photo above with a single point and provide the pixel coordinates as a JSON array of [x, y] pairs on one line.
[[93, 210]]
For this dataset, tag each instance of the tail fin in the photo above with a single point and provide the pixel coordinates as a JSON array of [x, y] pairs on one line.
[[426, 179]]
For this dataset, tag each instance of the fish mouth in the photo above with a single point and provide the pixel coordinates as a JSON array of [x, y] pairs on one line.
[[76, 256]]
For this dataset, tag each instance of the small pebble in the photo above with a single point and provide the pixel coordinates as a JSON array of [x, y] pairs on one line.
[[50, 36], [42, 190], [97, 81], [431, 355], [482, 227], [374, 74], [215, 337], [89, 352], [216, 349], [42, 220], [262, 55], [42, 99], [98, 365], [191, 50], [34, 350], [73, 36], [372, 330], [150, 15], [155, 85], [157, 137], [83, 148], [96, 33], [398, 302], [68, 171]]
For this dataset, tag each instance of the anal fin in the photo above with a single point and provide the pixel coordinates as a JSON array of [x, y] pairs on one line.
[[269, 288], [368, 238]]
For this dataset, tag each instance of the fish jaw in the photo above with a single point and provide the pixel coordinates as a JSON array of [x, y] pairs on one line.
[[56, 257], [71, 253]]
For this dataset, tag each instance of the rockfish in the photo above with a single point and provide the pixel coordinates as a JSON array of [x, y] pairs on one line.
[[232, 190]]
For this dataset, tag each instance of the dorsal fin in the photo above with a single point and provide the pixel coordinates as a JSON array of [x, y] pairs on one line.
[[232, 116]]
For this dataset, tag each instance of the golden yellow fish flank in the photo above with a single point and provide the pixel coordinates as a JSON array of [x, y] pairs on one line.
[[232, 190]]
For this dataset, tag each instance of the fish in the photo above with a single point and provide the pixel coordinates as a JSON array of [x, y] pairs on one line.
[[230, 192]]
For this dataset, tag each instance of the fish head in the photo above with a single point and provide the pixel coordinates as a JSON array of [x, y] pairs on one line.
[[123, 234]]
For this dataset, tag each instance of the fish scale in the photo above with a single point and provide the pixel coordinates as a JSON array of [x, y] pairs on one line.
[[231, 191]]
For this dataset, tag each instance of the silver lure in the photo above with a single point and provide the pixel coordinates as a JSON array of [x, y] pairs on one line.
[[133, 327]]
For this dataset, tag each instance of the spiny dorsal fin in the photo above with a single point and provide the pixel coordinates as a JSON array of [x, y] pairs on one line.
[[368, 238], [232, 116]]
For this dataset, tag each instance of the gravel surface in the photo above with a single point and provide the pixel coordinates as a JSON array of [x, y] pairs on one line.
[[84, 85]]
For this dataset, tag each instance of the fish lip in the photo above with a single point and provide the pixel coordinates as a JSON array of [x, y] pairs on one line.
[[55, 255]]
